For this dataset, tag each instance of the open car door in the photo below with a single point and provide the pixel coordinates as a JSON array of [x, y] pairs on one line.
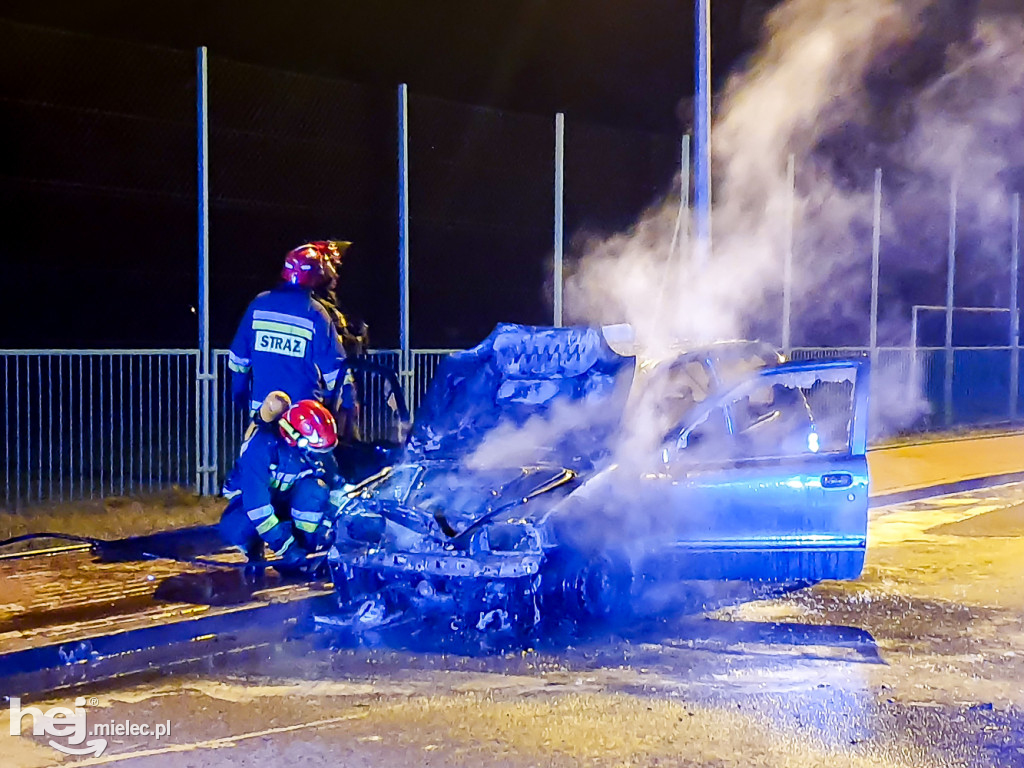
[[769, 481], [373, 418]]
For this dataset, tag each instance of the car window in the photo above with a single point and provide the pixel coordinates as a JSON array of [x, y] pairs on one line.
[[777, 414], [396, 485], [773, 419], [734, 368], [665, 396], [709, 439]]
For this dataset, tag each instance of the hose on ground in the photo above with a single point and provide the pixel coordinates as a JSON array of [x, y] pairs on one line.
[[99, 545]]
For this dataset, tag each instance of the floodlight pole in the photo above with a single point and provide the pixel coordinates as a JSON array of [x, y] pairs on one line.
[[559, 215], [702, 134], [206, 405], [405, 362]]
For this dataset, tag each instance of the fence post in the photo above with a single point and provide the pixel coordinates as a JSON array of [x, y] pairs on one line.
[[702, 132], [205, 404], [787, 269], [559, 214], [876, 247], [1014, 310], [915, 362], [950, 279], [405, 357]]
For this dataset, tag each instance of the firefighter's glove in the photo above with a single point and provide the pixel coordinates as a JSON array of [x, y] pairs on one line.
[[323, 536], [340, 496]]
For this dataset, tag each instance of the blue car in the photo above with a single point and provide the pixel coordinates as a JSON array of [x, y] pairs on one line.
[[561, 473]]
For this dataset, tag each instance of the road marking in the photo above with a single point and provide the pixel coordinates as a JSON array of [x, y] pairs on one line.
[[911, 519]]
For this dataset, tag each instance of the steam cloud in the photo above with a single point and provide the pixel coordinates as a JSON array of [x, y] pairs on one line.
[[928, 91]]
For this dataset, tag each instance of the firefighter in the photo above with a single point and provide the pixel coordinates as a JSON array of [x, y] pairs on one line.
[[286, 340], [353, 336], [283, 483]]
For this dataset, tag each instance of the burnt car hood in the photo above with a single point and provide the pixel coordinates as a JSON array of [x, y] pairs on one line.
[[518, 374], [449, 501]]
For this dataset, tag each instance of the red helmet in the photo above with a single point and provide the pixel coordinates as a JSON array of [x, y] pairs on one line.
[[306, 266], [308, 424]]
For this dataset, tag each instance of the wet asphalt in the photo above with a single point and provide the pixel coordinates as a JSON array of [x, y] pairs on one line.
[[919, 663]]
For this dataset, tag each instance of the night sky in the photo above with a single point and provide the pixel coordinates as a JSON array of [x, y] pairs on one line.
[[609, 61], [99, 173]]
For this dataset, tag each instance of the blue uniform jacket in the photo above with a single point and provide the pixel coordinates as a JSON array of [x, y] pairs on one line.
[[285, 341], [270, 471]]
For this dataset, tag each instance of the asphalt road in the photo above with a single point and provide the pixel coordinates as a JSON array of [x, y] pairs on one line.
[[920, 663]]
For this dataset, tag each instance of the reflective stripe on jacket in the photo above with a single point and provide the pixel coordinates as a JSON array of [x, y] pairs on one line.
[[285, 342]]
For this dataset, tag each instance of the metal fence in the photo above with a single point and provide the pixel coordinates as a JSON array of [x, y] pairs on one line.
[[920, 389], [90, 424], [94, 423]]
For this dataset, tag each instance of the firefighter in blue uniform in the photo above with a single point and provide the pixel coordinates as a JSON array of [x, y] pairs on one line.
[[281, 485], [286, 340], [354, 339]]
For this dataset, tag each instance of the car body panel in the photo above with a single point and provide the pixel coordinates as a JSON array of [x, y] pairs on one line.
[[761, 476]]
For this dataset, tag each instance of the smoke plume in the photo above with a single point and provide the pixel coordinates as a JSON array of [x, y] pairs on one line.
[[927, 91]]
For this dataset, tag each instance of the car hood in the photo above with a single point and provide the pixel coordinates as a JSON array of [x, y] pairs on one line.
[[525, 376], [447, 499]]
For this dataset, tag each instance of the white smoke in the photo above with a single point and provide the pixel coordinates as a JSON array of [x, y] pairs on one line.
[[929, 91], [926, 90]]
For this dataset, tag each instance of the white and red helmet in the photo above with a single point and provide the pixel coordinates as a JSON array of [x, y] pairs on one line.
[[309, 425]]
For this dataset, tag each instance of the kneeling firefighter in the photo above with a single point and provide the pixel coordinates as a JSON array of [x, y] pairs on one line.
[[282, 484]]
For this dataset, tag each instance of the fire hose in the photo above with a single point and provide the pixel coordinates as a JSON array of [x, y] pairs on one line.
[[102, 546]]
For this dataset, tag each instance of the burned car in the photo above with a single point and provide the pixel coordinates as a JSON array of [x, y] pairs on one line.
[[550, 477]]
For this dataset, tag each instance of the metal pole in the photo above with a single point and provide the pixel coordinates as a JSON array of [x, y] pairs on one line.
[[1014, 310], [559, 213], [203, 480], [950, 276], [681, 231], [915, 363], [405, 367], [787, 268], [702, 133], [876, 248], [684, 192]]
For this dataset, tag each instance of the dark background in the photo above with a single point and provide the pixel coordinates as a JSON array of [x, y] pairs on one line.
[[98, 168]]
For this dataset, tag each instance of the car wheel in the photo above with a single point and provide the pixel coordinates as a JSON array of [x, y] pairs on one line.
[[588, 590]]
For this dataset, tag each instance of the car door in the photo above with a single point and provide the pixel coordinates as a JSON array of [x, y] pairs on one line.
[[769, 481]]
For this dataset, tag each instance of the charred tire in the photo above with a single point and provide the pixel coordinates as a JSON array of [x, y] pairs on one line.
[[588, 590]]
